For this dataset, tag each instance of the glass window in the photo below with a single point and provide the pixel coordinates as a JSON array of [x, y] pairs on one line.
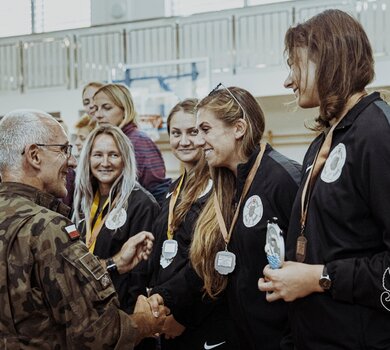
[[262, 2], [53, 15], [15, 17], [188, 7]]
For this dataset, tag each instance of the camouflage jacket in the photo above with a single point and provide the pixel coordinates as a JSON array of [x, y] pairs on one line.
[[54, 294]]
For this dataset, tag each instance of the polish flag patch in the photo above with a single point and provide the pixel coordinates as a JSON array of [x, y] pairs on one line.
[[72, 232]]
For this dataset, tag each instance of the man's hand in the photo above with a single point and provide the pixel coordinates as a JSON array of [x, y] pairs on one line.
[[148, 324], [172, 328], [136, 249]]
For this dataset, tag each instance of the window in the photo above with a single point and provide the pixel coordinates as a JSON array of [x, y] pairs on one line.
[[52, 15], [188, 7], [17, 17], [262, 2]]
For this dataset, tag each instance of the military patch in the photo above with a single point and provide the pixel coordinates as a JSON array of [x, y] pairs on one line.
[[92, 264], [105, 281], [72, 232]]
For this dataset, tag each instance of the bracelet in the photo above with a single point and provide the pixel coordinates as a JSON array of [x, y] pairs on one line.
[[111, 266]]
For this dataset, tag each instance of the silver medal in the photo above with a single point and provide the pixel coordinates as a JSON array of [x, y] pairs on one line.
[[169, 249], [274, 246], [165, 262], [225, 262]]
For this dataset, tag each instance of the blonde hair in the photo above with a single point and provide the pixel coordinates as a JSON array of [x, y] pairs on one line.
[[207, 239], [95, 84], [120, 96], [86, 184], [196, 179], [86, 121]]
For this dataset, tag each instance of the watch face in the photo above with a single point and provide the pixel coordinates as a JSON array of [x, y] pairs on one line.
[[325, 282]]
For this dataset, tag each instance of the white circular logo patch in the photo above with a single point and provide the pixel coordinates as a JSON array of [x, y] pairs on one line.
[[116, 219], [334, 164], [253, 211]]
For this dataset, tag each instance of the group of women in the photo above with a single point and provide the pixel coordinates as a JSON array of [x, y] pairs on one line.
[[212, 256]]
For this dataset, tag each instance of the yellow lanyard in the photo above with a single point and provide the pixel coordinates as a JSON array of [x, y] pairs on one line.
[[92, 232], [172, 203]]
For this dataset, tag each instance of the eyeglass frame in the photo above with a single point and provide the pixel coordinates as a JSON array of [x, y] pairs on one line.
[[67, 153], [231, 94]]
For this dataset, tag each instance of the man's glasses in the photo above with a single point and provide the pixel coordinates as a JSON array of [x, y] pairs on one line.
[[65, 149], [231, 94]]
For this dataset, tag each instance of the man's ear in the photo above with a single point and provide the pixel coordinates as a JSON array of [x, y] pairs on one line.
[[33, 157], [240, 128]]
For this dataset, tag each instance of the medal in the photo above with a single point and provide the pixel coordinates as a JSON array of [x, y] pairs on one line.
[[225, 262], [169, 249], [274, 246], [300, 253], [165, 262], [116, 219]]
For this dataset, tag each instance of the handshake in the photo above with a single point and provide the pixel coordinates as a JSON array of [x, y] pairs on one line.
[[152, 318]]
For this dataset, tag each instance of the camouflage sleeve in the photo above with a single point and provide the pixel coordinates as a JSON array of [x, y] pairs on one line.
[[79, 292]]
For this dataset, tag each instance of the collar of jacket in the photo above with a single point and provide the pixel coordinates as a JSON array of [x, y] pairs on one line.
[[243, 170], [355, 111], [38, 197]]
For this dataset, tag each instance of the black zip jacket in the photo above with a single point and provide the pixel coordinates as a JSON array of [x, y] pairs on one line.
[[348, 229], [141, 211], [259, 324]]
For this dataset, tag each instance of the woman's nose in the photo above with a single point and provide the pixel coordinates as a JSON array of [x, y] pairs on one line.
[[184, 141], [288, 82], [199, 140]]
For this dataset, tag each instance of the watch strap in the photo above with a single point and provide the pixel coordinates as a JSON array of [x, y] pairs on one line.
[[110, 265]]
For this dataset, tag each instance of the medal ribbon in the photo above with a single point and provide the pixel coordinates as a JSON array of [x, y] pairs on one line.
[[172, 203], [248, 182], [93, 232]]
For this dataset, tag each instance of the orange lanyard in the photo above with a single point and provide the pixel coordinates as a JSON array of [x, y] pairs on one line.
[[222, 225], [318, 163]]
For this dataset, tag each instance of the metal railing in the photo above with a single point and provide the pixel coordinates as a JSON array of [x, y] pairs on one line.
[[234, 40]]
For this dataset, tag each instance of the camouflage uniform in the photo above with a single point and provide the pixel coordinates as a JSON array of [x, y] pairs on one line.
[[54, 294]]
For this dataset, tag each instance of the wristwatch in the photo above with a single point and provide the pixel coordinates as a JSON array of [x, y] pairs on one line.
[[325, 281], [110, 265]]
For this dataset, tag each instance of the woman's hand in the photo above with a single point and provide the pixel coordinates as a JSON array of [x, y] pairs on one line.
[[292, 281]]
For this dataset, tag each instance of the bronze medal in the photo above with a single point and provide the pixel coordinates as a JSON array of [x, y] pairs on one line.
[[300, 253]]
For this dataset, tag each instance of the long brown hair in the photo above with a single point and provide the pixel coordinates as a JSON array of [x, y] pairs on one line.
[[339, 46], [207, 239], [197, 178]]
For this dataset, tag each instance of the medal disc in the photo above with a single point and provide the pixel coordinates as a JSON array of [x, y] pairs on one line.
[[225, 262], [300, 253], [169, 249]]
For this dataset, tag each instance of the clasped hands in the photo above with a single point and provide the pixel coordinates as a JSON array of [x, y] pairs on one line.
[[171, 327]]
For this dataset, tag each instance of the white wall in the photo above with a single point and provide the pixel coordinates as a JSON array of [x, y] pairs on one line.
[[112, 11]]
